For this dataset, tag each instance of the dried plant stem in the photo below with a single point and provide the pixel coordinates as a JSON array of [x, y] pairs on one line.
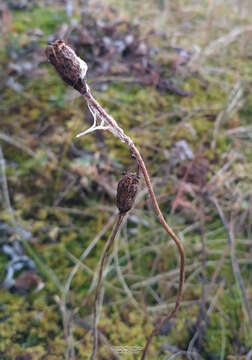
[[73, 70], [99, 282], [175, 239], [91, 101]]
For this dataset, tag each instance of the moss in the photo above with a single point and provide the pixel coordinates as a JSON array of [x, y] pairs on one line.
[[65, 215], [215, 336], [47, 19]]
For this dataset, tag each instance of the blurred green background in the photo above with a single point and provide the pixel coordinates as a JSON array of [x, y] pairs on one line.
[[177, 76]]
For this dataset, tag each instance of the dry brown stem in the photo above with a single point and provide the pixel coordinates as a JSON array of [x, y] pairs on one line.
[[99, 282], [72, 70]]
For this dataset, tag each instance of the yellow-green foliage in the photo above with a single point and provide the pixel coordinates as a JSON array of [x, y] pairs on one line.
[[48, 19], [32, 326]]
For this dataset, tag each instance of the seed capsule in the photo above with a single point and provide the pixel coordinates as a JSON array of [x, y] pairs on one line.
[[126, 192], [70, 67]]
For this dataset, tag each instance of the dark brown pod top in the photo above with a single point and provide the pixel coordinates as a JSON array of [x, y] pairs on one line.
[[126, 192], [70, 67]]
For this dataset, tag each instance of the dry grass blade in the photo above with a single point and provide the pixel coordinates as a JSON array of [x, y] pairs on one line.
[[18, 233], [226, 40], [235, 264]]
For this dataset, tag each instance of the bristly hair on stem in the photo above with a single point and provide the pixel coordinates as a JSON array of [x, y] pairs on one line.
[[72, 69]]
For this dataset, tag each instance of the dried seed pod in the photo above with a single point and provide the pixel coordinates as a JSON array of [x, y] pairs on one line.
[[126, 192], [70, 67]]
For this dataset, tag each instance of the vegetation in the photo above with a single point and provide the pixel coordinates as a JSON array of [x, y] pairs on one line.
[[62, 189]]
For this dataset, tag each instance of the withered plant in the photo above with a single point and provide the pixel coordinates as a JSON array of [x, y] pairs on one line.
[[73, 71]]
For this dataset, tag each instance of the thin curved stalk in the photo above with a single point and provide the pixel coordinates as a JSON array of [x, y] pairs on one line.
[[99, 282], [174, 238], [159, 214], [73, 70]]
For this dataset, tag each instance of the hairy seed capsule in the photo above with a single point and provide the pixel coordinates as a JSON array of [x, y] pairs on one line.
[[126, 192], [70, 67]]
